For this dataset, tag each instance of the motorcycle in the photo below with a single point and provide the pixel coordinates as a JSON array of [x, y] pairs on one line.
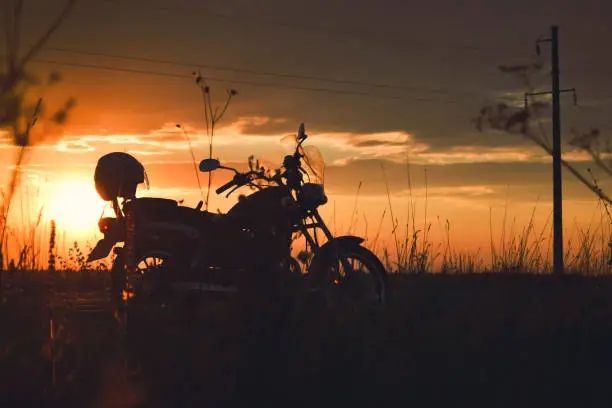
[[173, 246]]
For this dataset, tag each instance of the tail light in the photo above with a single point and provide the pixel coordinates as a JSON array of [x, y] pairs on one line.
[[105, 224], [112, 228]]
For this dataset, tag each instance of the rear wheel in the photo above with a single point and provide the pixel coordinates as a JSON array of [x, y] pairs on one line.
[[145, 298], [358, 279], [149, 277], [144, 282]]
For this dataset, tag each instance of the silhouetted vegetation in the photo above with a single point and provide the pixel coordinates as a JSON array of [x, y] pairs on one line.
[[474, 340], [212, 115], [527, 121], [18, 113]]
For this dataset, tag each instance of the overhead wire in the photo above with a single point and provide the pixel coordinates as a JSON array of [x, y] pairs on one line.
[[263, 73], [192, 65], [483, 96], [242, 81]]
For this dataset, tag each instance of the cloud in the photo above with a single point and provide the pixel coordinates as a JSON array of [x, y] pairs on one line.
[[377, 143], [460, 191], [421, 153], [147, 152], [341, 147], [231, 143], [263, 125], [74, 146], [338, 148], [526, 181], [6, 144], [350, 157], [5, 135], [480, 154], [168, 136]]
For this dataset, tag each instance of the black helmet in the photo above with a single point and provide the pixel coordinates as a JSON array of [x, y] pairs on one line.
[[118, 174]]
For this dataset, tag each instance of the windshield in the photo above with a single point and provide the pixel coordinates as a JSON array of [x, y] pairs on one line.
[[312, 162]]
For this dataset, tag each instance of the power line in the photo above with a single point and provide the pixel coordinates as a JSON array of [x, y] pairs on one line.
[[238, 81], [362, 34], [264, 73]]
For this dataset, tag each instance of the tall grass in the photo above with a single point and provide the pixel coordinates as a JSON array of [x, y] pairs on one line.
[[212, 116], [528, 122], [588, 250], [456, 262], [31, 242], [27, 235], [515, 249], [16, 114], [414, 252], [411, 250], [519, 251]]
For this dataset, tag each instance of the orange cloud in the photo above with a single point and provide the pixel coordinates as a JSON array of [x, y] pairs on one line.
[[74, 146]]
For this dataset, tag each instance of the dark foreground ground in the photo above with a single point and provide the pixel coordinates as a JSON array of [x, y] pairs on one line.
[[492, 341]]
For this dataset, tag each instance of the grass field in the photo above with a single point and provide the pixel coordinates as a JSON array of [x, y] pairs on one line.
[[469, 340]]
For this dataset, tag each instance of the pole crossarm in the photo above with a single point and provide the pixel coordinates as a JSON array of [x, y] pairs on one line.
[[572, 90]]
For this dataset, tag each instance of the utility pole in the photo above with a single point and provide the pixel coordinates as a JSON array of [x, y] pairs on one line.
[[556, 147]]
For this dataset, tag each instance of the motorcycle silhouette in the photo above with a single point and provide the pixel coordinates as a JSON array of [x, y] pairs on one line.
[[170, 246]]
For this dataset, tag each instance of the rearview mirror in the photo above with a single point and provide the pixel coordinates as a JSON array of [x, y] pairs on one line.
[[207, 165], [301, 132]]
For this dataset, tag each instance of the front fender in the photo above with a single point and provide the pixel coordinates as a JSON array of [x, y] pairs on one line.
[[329, 248]]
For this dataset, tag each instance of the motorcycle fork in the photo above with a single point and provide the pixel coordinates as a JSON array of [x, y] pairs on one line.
[[330, 238]]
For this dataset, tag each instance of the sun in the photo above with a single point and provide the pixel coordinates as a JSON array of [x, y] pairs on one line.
[[75, 205]]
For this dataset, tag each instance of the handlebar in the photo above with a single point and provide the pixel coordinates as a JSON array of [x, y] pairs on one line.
[[225, 187], [241, 179]]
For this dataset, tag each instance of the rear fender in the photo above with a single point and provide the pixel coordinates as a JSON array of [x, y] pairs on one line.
[[102, 249]]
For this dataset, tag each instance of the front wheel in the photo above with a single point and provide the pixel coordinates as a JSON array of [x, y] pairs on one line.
[[354, 277]]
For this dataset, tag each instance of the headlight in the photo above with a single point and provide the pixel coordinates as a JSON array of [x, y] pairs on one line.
[[313, 195]]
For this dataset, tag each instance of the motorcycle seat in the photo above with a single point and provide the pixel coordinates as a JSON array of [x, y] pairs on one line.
[[212, 216]]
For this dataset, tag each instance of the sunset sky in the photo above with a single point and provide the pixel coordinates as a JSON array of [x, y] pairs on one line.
[[375, 83]]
